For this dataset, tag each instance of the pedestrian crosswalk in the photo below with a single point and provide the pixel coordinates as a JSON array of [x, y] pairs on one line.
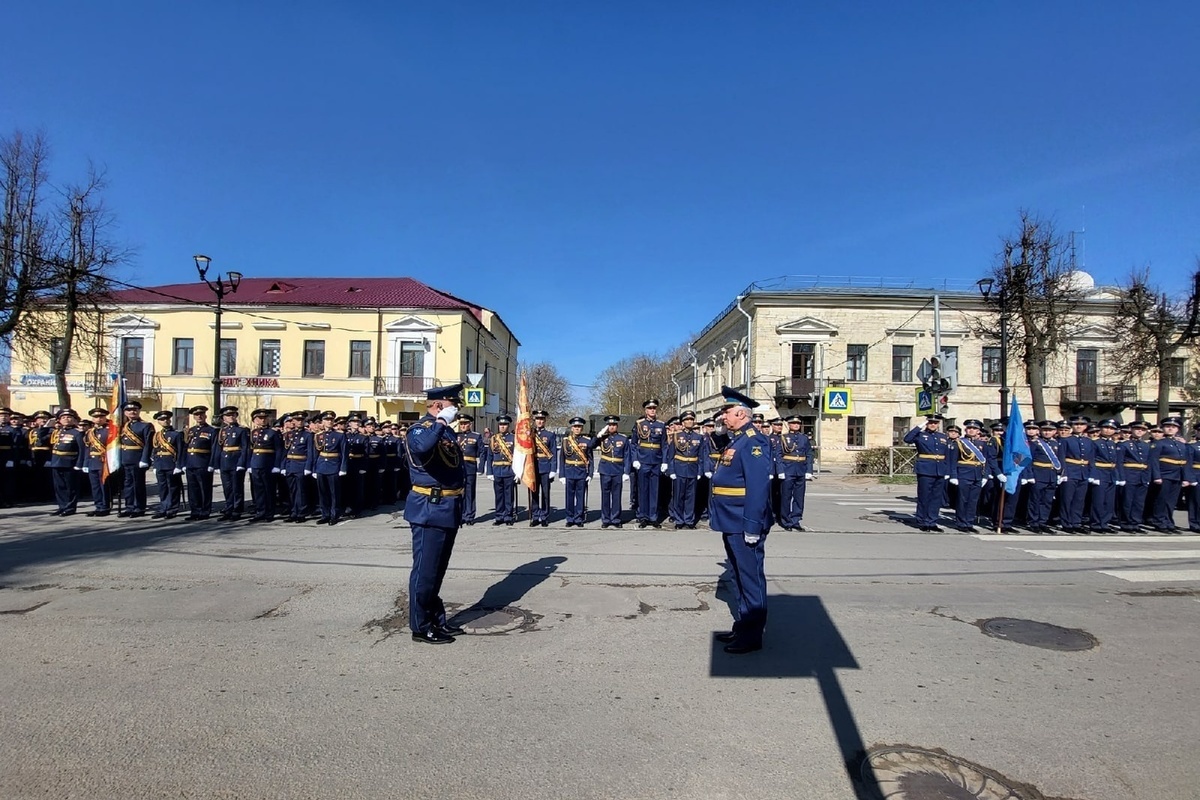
[[1123, 557]]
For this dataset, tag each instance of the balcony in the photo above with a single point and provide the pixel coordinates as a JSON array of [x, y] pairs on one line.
[[1099, 394], [795, 388], [138, 385], [404, 386]]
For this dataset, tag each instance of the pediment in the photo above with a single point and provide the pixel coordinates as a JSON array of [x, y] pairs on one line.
[[1094, 333], [127, 321], [411, 324], [807, 326]]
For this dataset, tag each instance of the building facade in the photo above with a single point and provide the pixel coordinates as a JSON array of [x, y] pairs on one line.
[[787, 345], [371, 345]]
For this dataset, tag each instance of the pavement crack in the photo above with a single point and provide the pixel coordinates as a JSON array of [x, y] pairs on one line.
[[26, 610]]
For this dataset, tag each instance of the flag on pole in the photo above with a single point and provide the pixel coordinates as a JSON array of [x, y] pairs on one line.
[[524, 464], [112, 447], [1016, 450]]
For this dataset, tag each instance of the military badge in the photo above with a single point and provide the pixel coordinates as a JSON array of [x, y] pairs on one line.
[[756, 451]]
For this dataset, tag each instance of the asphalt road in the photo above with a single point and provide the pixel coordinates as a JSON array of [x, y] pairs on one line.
[[221, 660]]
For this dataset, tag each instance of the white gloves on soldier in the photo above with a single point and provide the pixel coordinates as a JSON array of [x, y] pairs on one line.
[[663, 468], [954, 481], [810, 477], [637, 465], [1002, 478], [625, 477], [751, 538], [447, 414], [141, 464], [782, 476]]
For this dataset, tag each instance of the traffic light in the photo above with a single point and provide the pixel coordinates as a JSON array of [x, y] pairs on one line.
[[943, 373]]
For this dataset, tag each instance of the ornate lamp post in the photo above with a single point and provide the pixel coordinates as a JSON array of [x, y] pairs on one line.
[[220, 287]]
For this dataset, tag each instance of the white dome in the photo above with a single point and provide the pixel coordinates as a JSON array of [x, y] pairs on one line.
[[1082, 281]]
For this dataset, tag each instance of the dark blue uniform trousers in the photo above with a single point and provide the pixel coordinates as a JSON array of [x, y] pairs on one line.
[[170, 491], [1164, 505], [134, 488], [199, 487], [541, 500], [262, 489], [792, 500], [504, 499], [431, 549], [1074, 492], [66, 488], [1041, 500], [1104, 499], [576, 503], [233, 483], [469, 481], [298, 504], [683, 500], [610, 499], [329, 496], [99, 490], [750, 579], [931, 493], [647, 493], [969, 488]]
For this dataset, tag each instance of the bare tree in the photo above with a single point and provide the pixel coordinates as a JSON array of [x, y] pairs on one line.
[[25, 248], [1036, 292], [624, 386], [548, 391], [1150, 328]]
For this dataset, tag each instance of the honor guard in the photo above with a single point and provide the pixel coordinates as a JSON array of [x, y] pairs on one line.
[[576, 471], [167, 457], [718, 440], [969, 469], [1078, 454], [297, 452], [793, 469], [931, 469], [12, 453], [1168, 466], [199, 465], [40, 484], [1191, 479], [353, 485], [472, 446], [96, 454], [137, 437], [774, 433], [649, 437], [231, 456], [499, 471], [612, 468], [1108, 473], [1134, 454], [67, 452], [373, 484], [434, 510], [741, 512], [686, 455], [1046, 472], [329, 465], [266, 454], [545, 448]]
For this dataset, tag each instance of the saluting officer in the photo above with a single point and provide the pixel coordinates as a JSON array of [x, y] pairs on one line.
[[649, 436], [1108, 473], [576, 471], [545, 449], [612, 469], [741, 512], [499, 470], [472, 446], [793, 469], [434, 510], [297, 450], [329, 465], [167, 459], [95, 455], [66, 454], [137, 437], [931, 469], [266, 454], [200, 440], [686, 457], [1135, 466], [231, 456]]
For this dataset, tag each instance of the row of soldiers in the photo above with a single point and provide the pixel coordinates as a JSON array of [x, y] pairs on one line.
[[1081, 476]]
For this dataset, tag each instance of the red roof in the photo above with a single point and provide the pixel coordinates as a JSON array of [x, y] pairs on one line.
[[341, 292]]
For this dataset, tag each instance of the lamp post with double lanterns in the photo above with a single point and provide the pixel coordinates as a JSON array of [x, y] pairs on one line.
[[986, 286], [220, 287]]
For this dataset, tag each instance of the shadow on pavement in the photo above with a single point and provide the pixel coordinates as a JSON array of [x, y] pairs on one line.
[[802, 641], [510, 589]]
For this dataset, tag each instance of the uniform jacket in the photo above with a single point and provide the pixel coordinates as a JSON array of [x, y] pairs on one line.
[[1107, 466], [328, 453], [966, 460], [167, 450], [649, 438], [932, 449], [472, 447], [687, 454], [1168, 460], [741, 498], [615, 454], [232, 450], [266, 449], [545, 449], [1078, 453], [436, 466], [1134, 455], [137, 439], [794, 458], [499, 456], [66, 445], [575, 460], [200, 440], [297, 451]]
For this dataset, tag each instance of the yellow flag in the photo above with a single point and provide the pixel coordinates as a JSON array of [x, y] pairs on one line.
[[524, 464]]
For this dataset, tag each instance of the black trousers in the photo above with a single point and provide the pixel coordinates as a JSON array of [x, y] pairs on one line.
[[170, 491], [329, 496], [262, 490], [66, 488], [233, 483], [200, 491], [134, 489]]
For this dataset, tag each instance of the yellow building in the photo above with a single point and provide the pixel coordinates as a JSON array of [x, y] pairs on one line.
[[372, 345]]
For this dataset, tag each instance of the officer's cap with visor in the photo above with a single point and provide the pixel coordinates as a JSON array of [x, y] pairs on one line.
[[732, 398], [450, 393]]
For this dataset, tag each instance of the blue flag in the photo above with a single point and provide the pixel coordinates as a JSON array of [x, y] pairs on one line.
[[1016, 450]]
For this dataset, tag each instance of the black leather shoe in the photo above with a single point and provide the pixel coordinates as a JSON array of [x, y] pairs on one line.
[[738, 648], [725, 636], [135, 514], [450, 630], [533, 523], [433, 637], [935, 529], [157, 515], [123, 513], [497, 522]]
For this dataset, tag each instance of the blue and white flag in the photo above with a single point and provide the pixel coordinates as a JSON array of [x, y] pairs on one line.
[[1016, 450]]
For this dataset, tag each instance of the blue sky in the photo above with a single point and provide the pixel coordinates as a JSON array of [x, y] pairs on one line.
[[609, 175]]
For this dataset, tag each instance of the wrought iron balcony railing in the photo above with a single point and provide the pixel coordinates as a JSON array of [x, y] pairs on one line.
[[795, 387], [137, 384], [1100, 393], [402, 386]]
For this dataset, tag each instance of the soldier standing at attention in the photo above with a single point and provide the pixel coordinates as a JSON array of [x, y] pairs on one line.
[[499, 470], [434, 510], [230, 457], [576, 465], [137, 437], [1108, 473], [12, 453], [687, 455], [968, 468], [612, 469], [1168, 463], [793, 468], [297, 447], [198, 465], [375, 465], [1134, 455], [40, 479], [328, 464], [932, 471], [472, 446], [741, 512], [67, 452], [545, 447], [266, 454], [649, 436], [356, 460], [166, 456], [96, 452]]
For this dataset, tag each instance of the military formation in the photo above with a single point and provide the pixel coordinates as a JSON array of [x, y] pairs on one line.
[[1080, 477]]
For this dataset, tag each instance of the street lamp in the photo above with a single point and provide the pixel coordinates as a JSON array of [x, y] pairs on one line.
[[220, 288], [985, 288]]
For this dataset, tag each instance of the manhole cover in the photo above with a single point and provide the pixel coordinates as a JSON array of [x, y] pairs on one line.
[[484, 621], [1037, 634], [912, 773]]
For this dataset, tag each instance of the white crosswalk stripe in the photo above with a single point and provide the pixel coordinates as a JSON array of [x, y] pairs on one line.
[[1117, 556]]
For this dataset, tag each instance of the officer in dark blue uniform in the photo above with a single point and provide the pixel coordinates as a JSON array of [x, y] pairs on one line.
[[376, 461], [12, 455], [546, 451], [1078, 454], [167, 458], [328, 463], [230, 457], [741, 512], [1046, 472], [969, 469], [649, 438], [67, 452], [612, 469], [499, 470], [686, 458], [931, 469], [137, 436], [472, 446], [1107, 474], [200, 439], [1135, 467], [1168, 466], [575, 465], [95, 443], [266, 454], [793, 469], [434, 510], [297, 450]]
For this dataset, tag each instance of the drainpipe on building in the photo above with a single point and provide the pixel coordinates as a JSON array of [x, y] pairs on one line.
[[746, 371], [695, 375], [678, 396]]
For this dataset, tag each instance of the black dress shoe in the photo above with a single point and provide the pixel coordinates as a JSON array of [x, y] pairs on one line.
[[157, 515], [433, 637], [794, 527], [935, 529], [533, 523], [66, 513], [603, 525], [511, 522], [738, 648], [449, 630], [641, 524], [54, 514], [725, 636], [124, 513], [135, 514], [619, 525], [497, 522]]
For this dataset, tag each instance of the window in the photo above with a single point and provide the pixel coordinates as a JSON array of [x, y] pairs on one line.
[[228, 358], [1085, 367], [856, 432], [991, 365], [804, 360], [58, 344], [1177, 371], [185, 354], [856, 362], [902, 368], [412, 367], [314, 358], [132, 349], [360, 359], [900, 427], [268, 357]]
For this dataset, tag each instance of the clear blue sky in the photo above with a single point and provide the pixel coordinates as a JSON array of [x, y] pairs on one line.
[[608, 175]]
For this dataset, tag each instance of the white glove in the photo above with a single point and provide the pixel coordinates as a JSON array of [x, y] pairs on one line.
[[1028, 481], [945, 477], [1062, 478], [491, 477], [751, 538], [954, 481], [663, 468], [1095, 481], [1120, 483], [307, 472], [588, 479], [782, 476], [249, 470], [553, 475], [275, 470], [212, 469], [239, 469], [177, 471], [85, 469], [810, 477], [625, 477], [382, 471], [1002, 478], [362, 472], [8, 464], [447, 414], [708, 474], [596, 474], [637, 465], [672, 476], [984, 482], [141, 464], [341, 474], [79, 468]]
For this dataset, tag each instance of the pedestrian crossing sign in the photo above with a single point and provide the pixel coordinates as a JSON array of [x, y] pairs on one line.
[[837, 401], [474, 398], [925, 400]]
